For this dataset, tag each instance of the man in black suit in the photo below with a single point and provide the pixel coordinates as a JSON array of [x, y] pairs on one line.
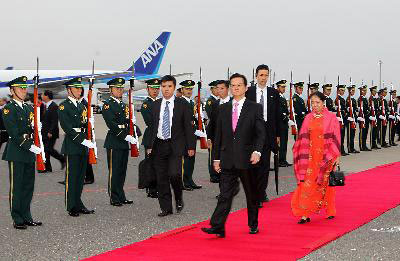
[[269, 99], [50, 130], [239, 140], [172, 133]]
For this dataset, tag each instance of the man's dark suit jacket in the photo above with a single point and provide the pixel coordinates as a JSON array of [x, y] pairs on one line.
[[182, 130], [234, 149], [50, 121], [273, 124]]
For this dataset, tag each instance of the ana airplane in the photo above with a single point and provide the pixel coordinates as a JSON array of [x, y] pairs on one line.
[[146, 67]]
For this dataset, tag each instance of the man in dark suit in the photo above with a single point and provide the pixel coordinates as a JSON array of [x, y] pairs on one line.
[[172, 133], [239, 140], [269, 99], [50, 130]]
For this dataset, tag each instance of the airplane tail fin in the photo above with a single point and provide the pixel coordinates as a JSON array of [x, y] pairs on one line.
[[150, 60]]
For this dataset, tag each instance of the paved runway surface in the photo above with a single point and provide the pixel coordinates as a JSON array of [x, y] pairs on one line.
[[67, 238]]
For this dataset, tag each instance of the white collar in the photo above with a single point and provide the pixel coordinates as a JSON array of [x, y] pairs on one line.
[[281, 94], [259, 88], [172, 99], [21, 104], [186, 98], [215, 97], [48, 103], [227, 98], [74, 101], [240, 101], [115, 99], [152, 98]]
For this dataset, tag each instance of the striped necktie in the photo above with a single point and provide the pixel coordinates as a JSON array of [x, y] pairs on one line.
[[166, 132]]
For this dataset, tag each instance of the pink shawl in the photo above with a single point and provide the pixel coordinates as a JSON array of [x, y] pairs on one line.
[[301, 147]]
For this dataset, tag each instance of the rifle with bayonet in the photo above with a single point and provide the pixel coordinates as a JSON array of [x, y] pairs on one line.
[[132, 127], [90, 128], [291, 113], [203, 140]]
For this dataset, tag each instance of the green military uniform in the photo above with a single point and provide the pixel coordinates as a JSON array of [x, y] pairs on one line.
[[116, 117], [145, 110], [351, 132], [328, 101], [214, 177], [18, 121], [299, 107], [188, 162], [374, 106], [393, 120], [363, 126], [284, 131], [340, 104], [73, 120], [383, 111]]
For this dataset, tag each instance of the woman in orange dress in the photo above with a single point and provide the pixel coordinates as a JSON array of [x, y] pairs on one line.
[[315, 153]]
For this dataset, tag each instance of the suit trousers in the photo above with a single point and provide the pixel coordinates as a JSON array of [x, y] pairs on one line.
[[50, 151], [22, 182], [153, 185], [168, 167], [261, 173], [229, 185]]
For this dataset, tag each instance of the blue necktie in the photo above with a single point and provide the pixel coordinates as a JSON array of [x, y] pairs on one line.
[[262, 99], [165, 124]]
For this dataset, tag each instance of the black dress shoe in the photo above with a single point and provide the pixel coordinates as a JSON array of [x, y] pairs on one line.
[[86, 211], [62, 182], [33, 223], [127, 202], [253, 230], [62, 164], [331, 217], [88, 182], [345, 154], [271, 169], [303, 221], [43, 171], [195, 186], [152, 194], [214, 180], [20, 226], [259, 204], [218, 196], [179, 205], [165, 213], [282, 165], [288, 164], [187, 188], [213, 231], [394, 144], [116, 204], [73, 213], [265, 199]]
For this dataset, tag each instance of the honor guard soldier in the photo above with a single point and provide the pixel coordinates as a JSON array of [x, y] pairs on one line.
[[393, 117], [73, 120], [300, 108], [351, 118], [211, 101], [153, 90], [383, 119], [327, 89], [374, 111], [20, 153], [285, 123], [341, 114], [116, 115], [188, 161], [314, 87], [363, 118]]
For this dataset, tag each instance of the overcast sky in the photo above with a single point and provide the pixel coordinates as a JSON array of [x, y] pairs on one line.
[[324, 38]]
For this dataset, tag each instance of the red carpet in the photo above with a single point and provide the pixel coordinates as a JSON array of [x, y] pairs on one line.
[[366, 196]]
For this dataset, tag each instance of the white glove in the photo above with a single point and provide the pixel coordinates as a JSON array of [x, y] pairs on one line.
[[91, 120], [133, 119], [372, 118], [392, 117], [350, 119], [200, 134], [89, 144], [39, 126], [382, 117], [130, 139], [339, 119], [398, 118], [291, 123], [35, 149], [360, 119]]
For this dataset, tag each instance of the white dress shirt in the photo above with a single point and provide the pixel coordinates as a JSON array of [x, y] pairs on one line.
[[115, 99], [186, 98], [222, 101], [48, 104], [74, 101], [19, 103], [171, 114], [258, 97]]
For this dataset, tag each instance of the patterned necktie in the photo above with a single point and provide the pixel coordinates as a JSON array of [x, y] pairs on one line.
[[165, 125], [262, 99], [235, 117]]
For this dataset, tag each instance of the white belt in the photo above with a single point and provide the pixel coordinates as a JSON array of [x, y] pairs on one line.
[[121, 126], [77, 129]]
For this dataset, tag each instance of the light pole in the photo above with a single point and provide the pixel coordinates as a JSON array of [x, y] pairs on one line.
[[380, 74]]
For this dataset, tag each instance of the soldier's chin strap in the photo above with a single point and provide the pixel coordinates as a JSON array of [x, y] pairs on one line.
[[15, 93]]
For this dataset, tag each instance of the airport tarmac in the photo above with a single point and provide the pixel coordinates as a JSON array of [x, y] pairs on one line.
[[67, 238]]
